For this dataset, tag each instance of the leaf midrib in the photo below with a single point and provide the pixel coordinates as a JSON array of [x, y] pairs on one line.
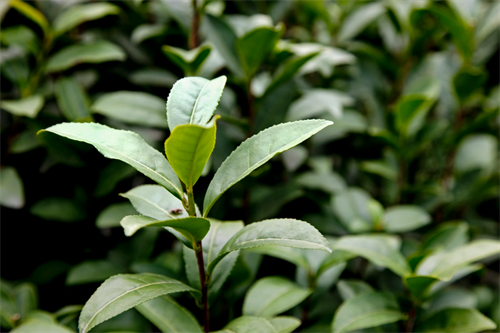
[[193, 111]]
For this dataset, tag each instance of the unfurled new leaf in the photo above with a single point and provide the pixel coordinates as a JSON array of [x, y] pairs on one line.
[[188, 149]]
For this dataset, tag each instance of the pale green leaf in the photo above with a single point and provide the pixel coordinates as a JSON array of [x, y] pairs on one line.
[[91, 271], [447, 236], [11, 188], [405, 218], [147, 31], [256, 151], [457, 321], [478, 151], [379, 249], [315, 102], [282, 232], [248, 324], [78, 14], [37, 326], [351, 288], [169, 316], [132, 107], [28, 106], [273, 295], [124, 146], [443, 265], [97, 52], [188, 149], [123, 292], [192, 228], [193, 100], [156, 202], [351, 206], [357, 21], [285, 324], [72, 100], [111, 216], [366, 310]]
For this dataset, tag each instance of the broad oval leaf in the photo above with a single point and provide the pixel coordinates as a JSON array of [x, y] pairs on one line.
[[405, 218], [443, 265], [378, 249], [76, 15], [122, 292], [273, 295], [193, 100], [249, 324], [11, 188], [125, 146], [282, 232], [193, 228], [256, 151], [28, 106], [188, 148], [72, 99], [366, 310], [457, 320], [97, 52], [156, 202], [132, 107], [169, 316]]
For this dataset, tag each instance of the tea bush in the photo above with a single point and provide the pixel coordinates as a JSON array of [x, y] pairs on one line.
[[267, 166]]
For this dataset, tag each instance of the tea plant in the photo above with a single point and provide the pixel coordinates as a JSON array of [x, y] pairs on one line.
[[190, 108]]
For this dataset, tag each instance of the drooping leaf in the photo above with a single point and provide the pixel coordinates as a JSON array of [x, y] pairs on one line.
[[193, 228], [72, 100], [248, 324], [193, 100], [132, 107], [285, 324], [156, 202], [28, 106], [405, 218], [379, 249], [273, 295], [122, 292], [188, 149], [366, 310], [264, 38], [11, 188], [78, 14], [282, 232], [221, 35], [169, 316], [124, 146], [256, 151], [443, 265], [189, 61], [457, 321], [111, 216], [97, 52]]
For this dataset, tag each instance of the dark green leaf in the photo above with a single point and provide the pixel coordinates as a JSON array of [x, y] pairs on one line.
[[457, 321], [72, 100]]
